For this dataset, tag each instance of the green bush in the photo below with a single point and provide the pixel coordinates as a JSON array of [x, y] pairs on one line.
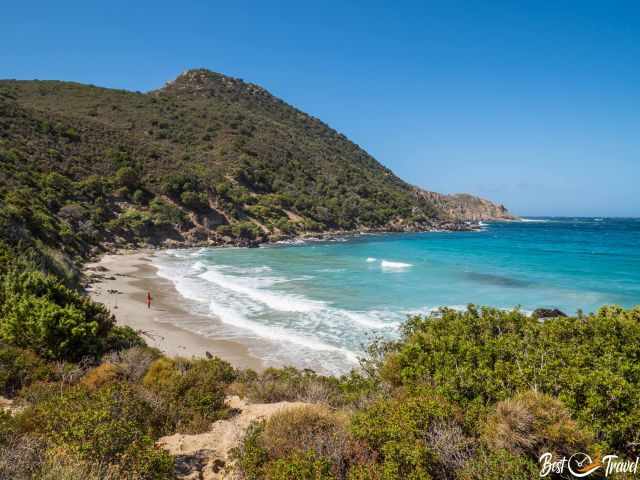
[[177, 183], [398, 430], [300, 466], [251, 455], [122, 337], [192, 390], [284, 225], [138, 222], [197, 201], [164, 213], [127, 177], [499, 465], [109, 425], [478, 357], [38, 312], [19, 368], [248, 230], [138, 196]]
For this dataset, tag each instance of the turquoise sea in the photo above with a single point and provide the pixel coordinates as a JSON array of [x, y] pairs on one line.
[[316, 303]]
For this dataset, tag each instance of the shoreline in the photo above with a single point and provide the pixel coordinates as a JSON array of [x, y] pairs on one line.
[[120, 277], [120, 282], [325, 235]]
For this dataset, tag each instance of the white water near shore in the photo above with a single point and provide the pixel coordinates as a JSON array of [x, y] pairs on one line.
[[316, 304], [279, 326]]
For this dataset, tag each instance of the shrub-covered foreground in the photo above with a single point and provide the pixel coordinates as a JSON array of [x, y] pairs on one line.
[[479, 394]]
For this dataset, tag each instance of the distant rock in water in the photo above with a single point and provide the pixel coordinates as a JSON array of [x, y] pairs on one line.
[[548, 313]]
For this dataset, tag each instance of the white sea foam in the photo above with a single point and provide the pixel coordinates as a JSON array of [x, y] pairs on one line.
[[276, 324], [182, 283], [371, 259], [534, 220], [234, 317], [386, 264], [276, 301], [372, 319], [198, 266], [295, 241]]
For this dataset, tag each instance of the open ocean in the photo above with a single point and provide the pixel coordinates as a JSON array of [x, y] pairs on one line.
[[315, 304]]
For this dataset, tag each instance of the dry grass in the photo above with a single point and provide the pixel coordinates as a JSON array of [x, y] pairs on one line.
[[134, 362], [102, 375], [21, 458], [278, 385], [311, 428], [533, 422], [451, 447]]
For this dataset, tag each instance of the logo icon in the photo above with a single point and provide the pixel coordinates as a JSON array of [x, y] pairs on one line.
[[581, 465]]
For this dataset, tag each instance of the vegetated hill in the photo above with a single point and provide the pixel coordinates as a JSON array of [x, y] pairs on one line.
[[207, 158]]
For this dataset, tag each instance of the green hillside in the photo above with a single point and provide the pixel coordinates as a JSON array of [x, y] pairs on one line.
[[206, 159]]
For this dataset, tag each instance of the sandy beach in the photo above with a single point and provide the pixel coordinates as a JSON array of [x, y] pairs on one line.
[[121, 282]]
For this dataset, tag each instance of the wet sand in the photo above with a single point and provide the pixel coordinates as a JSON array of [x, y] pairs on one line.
[[132, 275]]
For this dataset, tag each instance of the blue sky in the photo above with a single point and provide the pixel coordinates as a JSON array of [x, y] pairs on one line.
[[533, 104]]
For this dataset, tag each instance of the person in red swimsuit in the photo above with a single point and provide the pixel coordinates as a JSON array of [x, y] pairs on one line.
[[148, 299]]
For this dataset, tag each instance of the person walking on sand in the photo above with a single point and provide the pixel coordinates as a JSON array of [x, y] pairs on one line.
[[148, 299]]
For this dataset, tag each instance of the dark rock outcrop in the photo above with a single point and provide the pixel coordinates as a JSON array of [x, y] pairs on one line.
[[543, 313]]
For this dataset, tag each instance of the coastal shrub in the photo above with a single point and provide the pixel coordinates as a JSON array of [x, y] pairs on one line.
[[20, 368], [291, 384], [138, 222], [197, 201], [133, 362], [38, 312], [300, 466], [498, 465], [164, 213], [108, 425], [138, 196], [127, 177], [307, 441], [481, 356], [451, 447], [93, 186], [59, 464], [311, 428], [192, 391], [366, 471], [122, 337], [285, 226], [40, 391], [397, 430], [177, 183], [161, 375], [103, 374], [251, 456], [247, 230], [533, 423]]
